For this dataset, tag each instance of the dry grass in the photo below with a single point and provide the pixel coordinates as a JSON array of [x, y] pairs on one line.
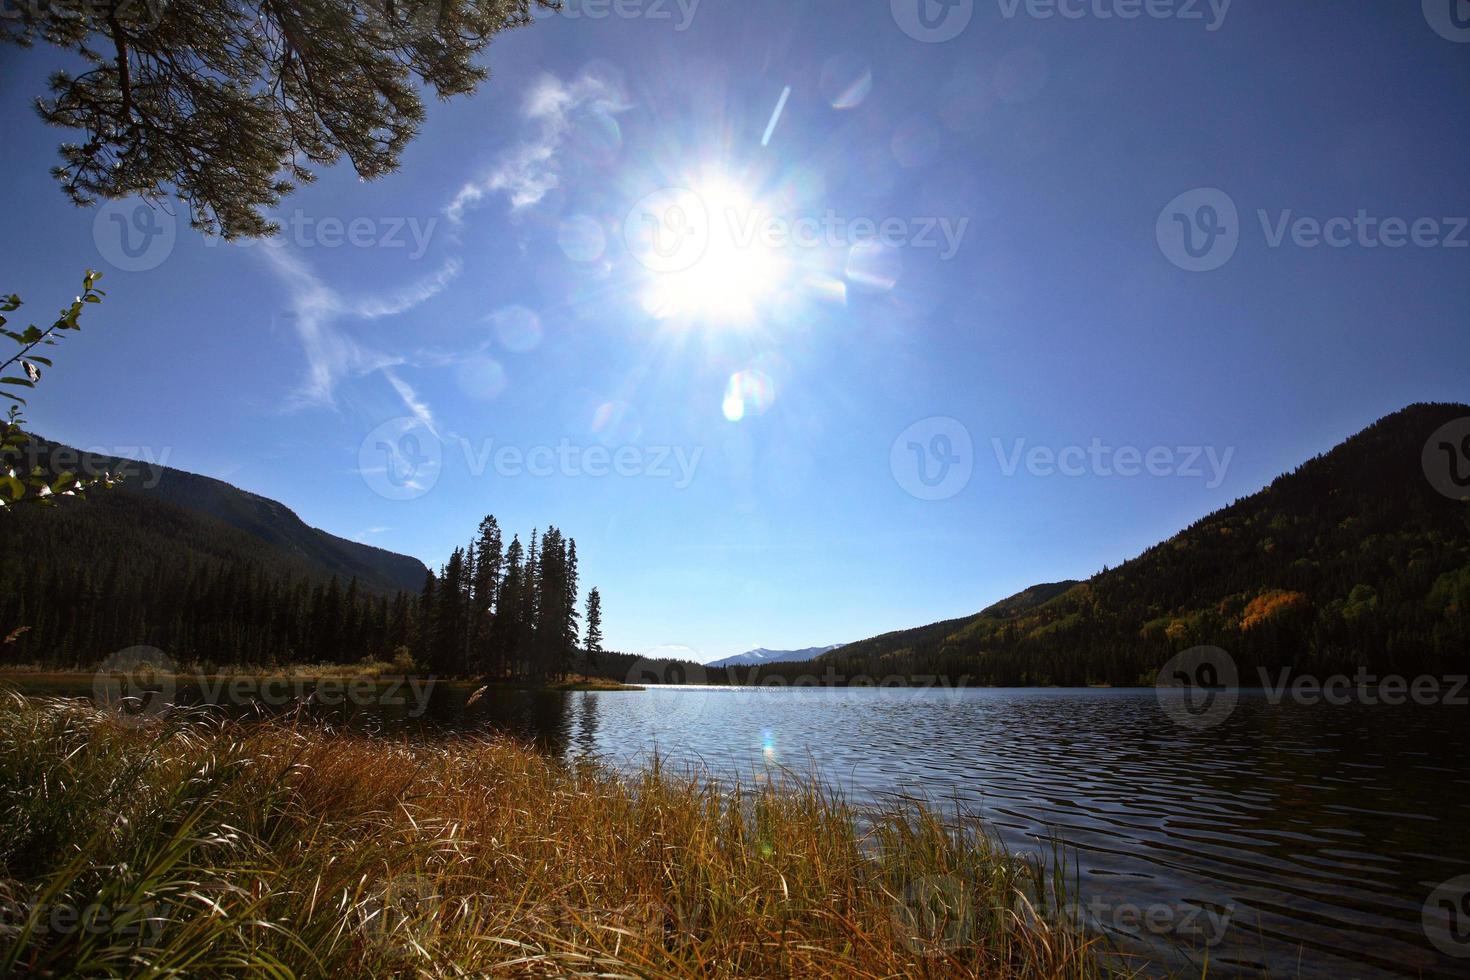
[[222, 848]]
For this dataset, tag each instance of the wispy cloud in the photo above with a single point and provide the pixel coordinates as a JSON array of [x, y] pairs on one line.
[[415, 405], [526, 172], [316, 310]]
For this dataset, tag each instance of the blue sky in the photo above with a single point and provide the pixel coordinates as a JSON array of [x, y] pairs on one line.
[[763, 428]]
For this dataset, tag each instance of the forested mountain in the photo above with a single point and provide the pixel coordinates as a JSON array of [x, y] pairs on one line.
[[1353, 559], [191, 565], [212, 575], [279, 536]]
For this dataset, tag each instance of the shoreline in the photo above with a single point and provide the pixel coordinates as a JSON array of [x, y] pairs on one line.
[[310, 675], [314, 852]]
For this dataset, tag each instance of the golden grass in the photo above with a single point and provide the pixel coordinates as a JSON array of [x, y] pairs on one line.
[[223, 848]]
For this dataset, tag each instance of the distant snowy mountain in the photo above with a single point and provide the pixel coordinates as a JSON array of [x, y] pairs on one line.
[[761, 655]]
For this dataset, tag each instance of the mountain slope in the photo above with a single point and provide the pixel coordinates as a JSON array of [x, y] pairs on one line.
[[760, 655], [270, 532], [1352, 559]]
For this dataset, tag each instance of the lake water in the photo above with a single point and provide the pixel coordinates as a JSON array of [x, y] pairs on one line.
[[1290, 839], [1314, 835]]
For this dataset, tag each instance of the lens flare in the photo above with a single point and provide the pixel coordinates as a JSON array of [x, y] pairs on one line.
[[581, 239], [707, 252], [748, 393], [517, 328]]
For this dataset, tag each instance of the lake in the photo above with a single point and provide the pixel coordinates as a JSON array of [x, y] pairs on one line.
[[1297, 840]]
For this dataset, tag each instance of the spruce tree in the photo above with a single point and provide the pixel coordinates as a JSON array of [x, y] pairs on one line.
[[594, 626]]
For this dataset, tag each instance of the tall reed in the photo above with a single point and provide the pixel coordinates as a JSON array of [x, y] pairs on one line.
[[202, 847]]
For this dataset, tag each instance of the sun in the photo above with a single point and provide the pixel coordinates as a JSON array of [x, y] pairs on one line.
[[711, 250]]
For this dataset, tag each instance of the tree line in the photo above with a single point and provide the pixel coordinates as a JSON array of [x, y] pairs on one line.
[[508, 611], [89, 578]]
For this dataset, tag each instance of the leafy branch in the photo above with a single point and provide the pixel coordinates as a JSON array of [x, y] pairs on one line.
[[36, 485]]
